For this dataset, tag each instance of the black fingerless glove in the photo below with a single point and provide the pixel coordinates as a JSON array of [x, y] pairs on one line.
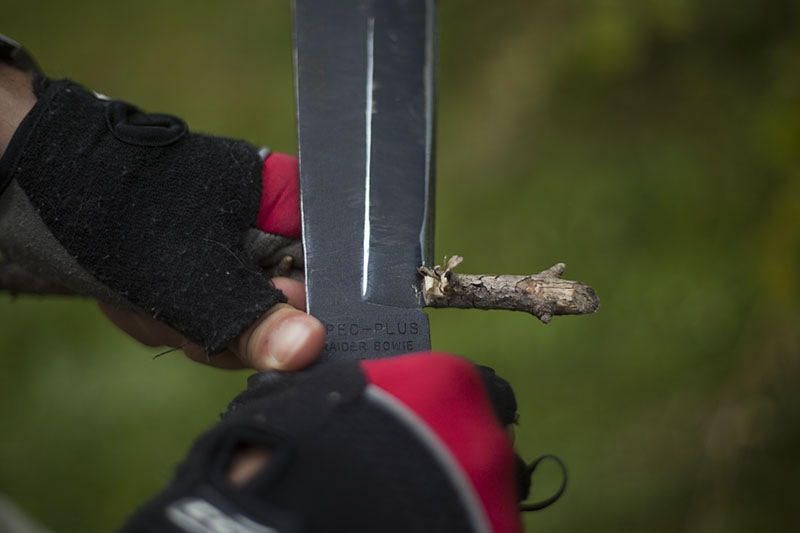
[[136, 210], [409, 443]]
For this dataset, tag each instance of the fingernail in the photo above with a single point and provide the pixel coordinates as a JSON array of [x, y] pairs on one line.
[[286, 341]]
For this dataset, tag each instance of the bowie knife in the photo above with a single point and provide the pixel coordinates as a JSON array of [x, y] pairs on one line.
[[364, 76]]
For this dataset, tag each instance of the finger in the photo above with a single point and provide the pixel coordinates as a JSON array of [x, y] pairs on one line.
[[284, 339], [151, 332], [294, 290]]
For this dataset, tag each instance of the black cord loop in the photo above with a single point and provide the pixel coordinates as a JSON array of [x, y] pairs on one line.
[[536, 506]]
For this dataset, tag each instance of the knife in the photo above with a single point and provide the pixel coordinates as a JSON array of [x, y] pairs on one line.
[[364, 79]]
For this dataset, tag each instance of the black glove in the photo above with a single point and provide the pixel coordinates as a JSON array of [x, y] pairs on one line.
[[135, 210], [408, 443]]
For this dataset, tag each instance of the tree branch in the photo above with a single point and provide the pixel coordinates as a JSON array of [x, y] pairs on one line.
[[543, 295]]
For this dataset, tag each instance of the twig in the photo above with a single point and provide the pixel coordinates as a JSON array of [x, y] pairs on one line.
[[543, 295]]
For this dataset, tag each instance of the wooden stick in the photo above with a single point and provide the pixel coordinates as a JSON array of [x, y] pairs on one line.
[[543, 295]]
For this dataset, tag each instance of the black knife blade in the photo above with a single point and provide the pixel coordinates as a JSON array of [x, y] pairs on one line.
[[365, 110]]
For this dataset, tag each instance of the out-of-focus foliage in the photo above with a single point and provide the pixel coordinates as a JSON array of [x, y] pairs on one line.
[[652, 146]]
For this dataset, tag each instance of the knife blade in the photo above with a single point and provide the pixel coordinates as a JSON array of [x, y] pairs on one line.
[[364, 78]]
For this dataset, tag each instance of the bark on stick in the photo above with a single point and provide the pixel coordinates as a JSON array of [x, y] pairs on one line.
[[543, 295]]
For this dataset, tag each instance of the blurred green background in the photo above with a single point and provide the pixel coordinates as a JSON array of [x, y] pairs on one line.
[[653, 146]]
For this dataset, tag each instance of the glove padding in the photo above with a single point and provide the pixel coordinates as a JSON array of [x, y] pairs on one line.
[[135, 210], [407, 443]]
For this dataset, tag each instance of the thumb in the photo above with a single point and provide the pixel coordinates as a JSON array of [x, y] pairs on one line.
[[285, 338]]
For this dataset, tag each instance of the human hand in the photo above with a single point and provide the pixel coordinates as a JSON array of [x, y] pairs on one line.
[[406, 443], [285, 338], [135, 210]]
